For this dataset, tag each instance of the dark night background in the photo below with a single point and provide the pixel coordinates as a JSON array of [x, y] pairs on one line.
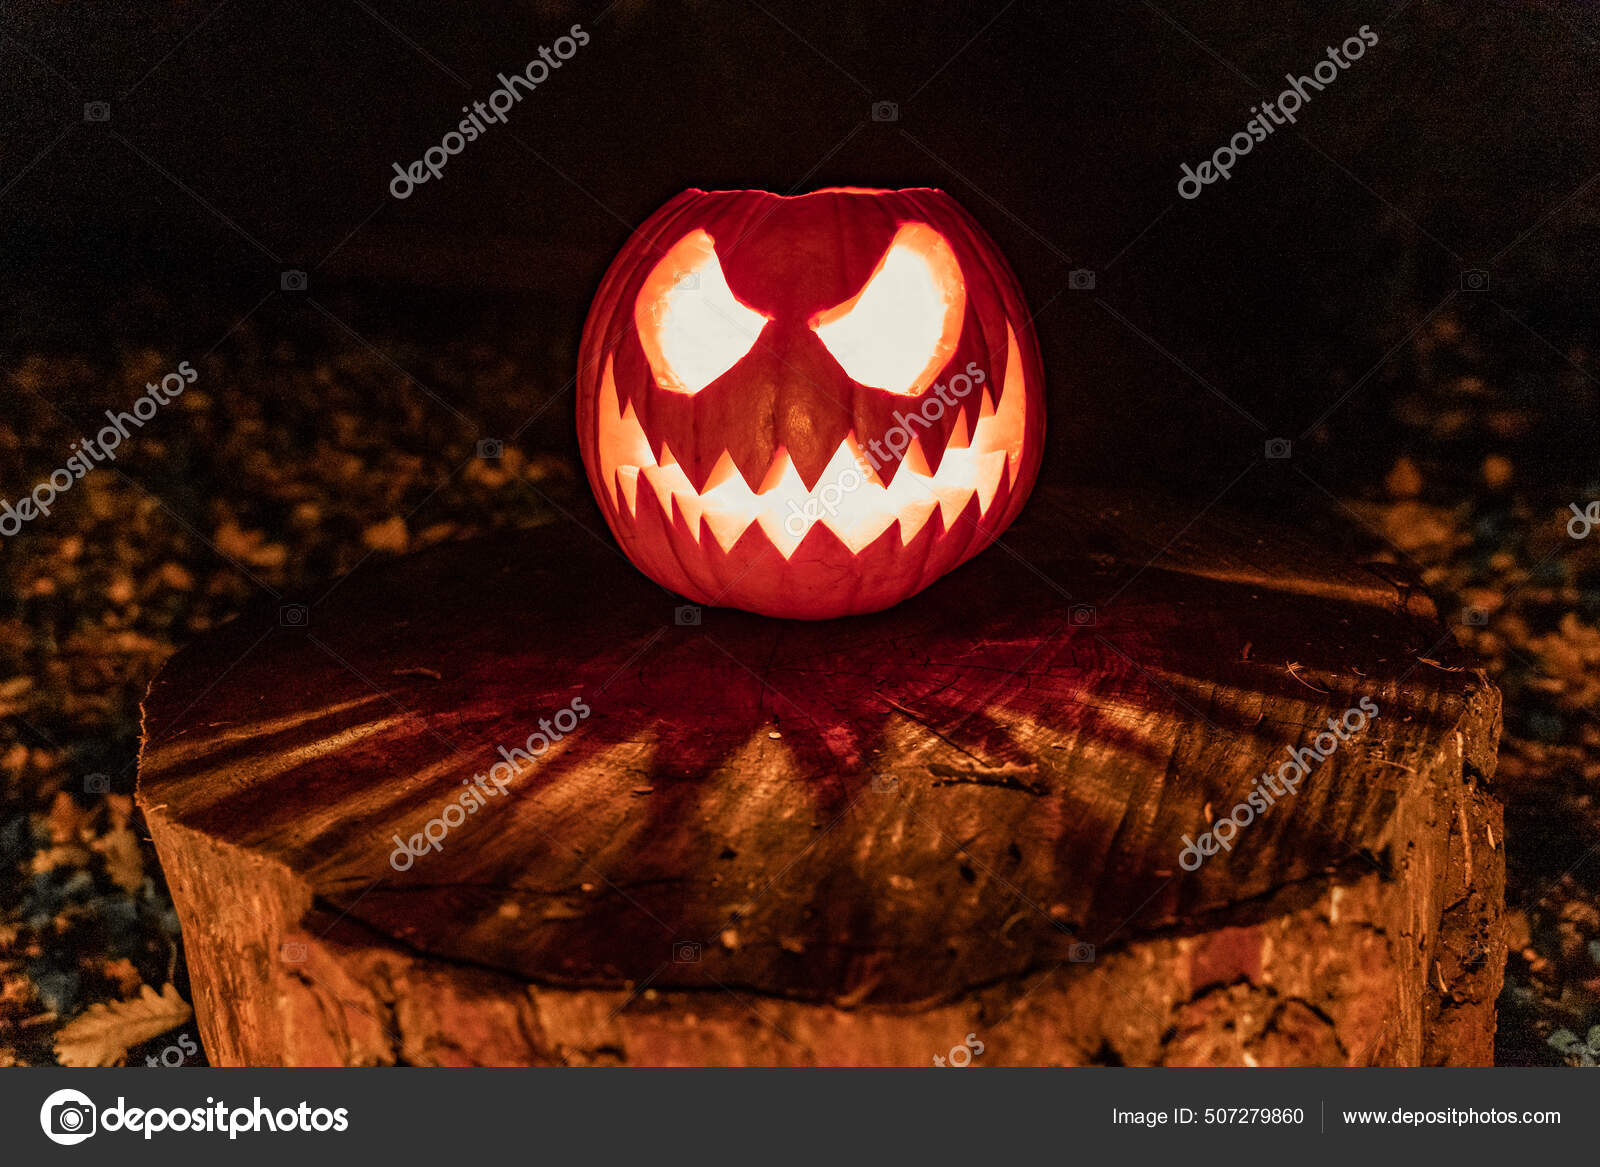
[[1318, 296]]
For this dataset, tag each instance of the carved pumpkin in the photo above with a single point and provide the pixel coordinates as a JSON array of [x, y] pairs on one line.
[[808, 406]]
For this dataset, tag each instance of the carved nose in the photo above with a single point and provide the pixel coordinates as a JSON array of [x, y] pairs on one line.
[[789, 377], [815, 406]]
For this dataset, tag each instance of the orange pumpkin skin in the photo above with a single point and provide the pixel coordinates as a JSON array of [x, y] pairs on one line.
[[739, 464]]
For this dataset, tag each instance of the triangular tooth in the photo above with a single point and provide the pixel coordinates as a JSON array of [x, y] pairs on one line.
[[914, 515], [859, 456], [991, 469], [890, 461], [665, 456], [722, 471], [856, 538], [727, 502], [610, 417], [960, 436], [627, 483], [699, 463], [915, 460], [771, 507], [652, 477], [621, 440], [1010, 419], [656, 441], [687, 508], [812, 474], [672, 488], [784, 540], [860, 530], [749, 466], [780, 468], [726, 529], [753, 462]]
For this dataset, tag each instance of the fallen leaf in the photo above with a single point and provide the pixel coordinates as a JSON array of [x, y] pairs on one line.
[[389, 535], [124, 860], [103, 1034], [121, 971], [1404, 480]]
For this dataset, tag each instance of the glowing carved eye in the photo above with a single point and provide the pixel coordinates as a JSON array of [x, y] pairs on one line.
[[692, 328], [899, 330]]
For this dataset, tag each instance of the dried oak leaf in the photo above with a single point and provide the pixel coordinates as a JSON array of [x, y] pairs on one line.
[[102, 1035]]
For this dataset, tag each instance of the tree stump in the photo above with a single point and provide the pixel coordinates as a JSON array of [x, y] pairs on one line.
[[960, 824]]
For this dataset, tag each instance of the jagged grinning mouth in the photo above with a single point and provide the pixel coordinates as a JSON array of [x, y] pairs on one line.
[[973, 465]]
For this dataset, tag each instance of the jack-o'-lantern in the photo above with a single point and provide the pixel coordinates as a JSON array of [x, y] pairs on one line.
[[808, 406]]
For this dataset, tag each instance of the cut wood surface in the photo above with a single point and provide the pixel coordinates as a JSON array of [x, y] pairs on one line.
[[846, 842]]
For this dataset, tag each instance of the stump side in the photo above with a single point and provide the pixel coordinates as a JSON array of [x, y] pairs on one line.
[[878, 834]]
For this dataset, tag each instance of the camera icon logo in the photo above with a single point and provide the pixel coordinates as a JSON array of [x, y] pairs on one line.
[[885, 111], [1081, 280], [686, 951], [292, 952], [97, 111], [885, 784], [1474, 617], [689, 281], [97, 783], [293, 281], [1474, 279], [1081, 953], [67, 1117], [294, 616], [1279, 447], [686, 616], [1083, 616]]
